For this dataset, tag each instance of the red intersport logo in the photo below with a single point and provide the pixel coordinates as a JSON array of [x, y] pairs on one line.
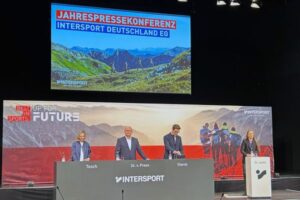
[[25, 114], [43, 113]]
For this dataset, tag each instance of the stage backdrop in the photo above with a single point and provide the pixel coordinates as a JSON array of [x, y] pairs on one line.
[[38, 133]]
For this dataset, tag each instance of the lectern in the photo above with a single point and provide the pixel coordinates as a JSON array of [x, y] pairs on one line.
[[258, 177]]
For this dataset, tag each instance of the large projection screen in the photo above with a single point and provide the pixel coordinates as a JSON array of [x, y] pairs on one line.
[[101, 49], [38, 133]]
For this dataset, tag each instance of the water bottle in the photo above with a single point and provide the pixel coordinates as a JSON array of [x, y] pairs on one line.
[[118, 155], [170, 155], [63, 158]]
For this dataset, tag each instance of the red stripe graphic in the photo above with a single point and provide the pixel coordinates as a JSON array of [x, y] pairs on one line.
[[21, 165]]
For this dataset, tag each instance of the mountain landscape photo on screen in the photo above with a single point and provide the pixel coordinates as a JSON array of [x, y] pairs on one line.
[[148, 70]]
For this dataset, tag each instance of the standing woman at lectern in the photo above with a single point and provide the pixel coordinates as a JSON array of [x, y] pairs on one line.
[[249, 147]]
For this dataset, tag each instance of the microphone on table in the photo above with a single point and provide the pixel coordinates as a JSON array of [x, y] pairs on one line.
[[122, 194]]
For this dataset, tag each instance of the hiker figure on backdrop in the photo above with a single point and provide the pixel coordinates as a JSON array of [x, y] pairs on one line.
[[216, 141], [225, 143], [235, 142], [205, 135]]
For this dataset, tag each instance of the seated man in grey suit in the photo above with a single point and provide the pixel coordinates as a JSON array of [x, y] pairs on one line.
[[127, 146], [173, 144]]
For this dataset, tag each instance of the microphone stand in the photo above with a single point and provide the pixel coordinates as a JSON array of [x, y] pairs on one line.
[[222, 196], [60, 193]]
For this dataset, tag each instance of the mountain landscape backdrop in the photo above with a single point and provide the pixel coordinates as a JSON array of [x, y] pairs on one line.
[[105, 124]]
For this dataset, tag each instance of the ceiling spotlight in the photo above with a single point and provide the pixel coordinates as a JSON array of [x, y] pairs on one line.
[[255, 4], [234, 3], [183, 1], [221, 3]]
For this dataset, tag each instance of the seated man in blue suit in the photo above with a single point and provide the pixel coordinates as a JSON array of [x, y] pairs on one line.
[[173, 144], [127, 146]]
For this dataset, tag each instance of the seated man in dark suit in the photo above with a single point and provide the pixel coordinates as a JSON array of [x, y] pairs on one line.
[[127, 146], [173, 144]]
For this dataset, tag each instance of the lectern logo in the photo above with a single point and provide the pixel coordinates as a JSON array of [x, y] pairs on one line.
[[261, 174]]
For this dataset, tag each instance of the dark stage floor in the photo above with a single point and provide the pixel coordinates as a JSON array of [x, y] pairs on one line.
[[276, 194]]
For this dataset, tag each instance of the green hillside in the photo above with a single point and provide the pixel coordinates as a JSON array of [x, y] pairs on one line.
[[139, 81], [182, 59], [62, 58], [174, 77]]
